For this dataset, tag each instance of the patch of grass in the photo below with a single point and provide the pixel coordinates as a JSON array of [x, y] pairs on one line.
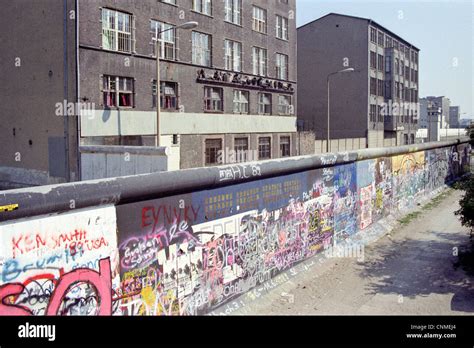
[[409, 218]]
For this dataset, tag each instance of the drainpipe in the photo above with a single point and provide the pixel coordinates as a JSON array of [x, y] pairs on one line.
[[78, 94], [66, 88]]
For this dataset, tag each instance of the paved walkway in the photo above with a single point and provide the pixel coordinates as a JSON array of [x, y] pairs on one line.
[[412, 271]]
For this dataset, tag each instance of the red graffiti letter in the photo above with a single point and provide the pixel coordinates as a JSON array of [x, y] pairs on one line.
[[11, 309], [101, 281]]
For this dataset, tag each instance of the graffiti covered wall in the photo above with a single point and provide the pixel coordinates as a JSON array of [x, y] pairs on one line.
[[189, 254]]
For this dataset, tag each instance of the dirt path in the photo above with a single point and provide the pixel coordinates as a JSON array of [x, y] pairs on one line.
[[411, 271]]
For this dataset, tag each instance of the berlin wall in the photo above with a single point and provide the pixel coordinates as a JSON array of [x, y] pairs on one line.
[[164, 244]]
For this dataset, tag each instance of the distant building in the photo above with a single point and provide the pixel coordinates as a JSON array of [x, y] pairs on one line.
[[442, 102], [378, 103], [454, 116]]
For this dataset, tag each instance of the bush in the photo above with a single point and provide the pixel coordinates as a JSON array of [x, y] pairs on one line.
[[467, 202]]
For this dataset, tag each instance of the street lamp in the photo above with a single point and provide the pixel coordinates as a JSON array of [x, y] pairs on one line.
[[348, 70], [186, 26]]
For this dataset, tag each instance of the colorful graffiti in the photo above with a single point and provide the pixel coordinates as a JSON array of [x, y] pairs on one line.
[[189, 254]]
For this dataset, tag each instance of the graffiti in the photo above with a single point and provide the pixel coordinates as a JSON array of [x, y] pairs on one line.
[[190, 254]]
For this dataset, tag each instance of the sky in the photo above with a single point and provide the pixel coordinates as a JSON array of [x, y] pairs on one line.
[[442, 29]]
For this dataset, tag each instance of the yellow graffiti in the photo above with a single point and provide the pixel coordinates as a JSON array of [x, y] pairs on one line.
[[9, 207]]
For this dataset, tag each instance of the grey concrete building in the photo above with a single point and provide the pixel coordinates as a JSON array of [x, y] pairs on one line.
[[229, 84], [441, 102], [454, 116], [374, 106]]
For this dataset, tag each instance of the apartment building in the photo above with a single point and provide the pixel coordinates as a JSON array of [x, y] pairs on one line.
[[454, 117], [228, 84], [376, 105]]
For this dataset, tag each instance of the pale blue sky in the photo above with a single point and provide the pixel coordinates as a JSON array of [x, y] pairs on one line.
[[442, 30]]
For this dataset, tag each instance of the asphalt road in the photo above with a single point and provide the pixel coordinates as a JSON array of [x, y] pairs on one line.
[[411, 271]]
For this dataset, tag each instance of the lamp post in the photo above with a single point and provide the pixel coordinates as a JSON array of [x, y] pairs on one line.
[[348, 70], [186, 26]]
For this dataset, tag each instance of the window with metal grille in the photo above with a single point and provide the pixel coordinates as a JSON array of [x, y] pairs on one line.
[[373, 113], [233, 11], [264, 103], [285, 148], [201, 49], [241, 148], [373, 35], [259, 22], [259, 61], [282, 27], [203, 6], [281, 66], [380, 62], [380, 88], [264, 148], [373, 60], [241, 102], [212, 150], [168, 95], [381, 39], [233, 55], [118, 91], [116, 30], [284, 105], [213, 99], [373, 86], [166, 40]]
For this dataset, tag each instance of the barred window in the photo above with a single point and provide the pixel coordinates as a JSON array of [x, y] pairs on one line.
[[233, 11], [241, 102], [281, 66], [284, 105], [118, 91], [264, 148], [233, 55], [213, 99], [259, 61], [259, 22], [201, 49], [264, 103], [285, 148], [212, 149], [380, 62], [168, 95], [166, 40], [116, 31], [282, 27]]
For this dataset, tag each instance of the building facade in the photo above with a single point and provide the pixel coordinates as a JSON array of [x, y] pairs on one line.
[[374, 106], [227, 87], [454, 117], [442, 102]]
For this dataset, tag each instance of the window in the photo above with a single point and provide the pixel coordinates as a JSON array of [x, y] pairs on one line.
[[282, 27], [203, 6], [264, 104], [388, 64], [284, 105], [380, 88], [381, 38], [259, 20], [212, 151], [373, 86], [397, 66], [405, 136], [233, 11], [379, 113], [264, 148], [233, 55], [373, 35], [118, 91], [407, 72], [285, 147], [116, 31], [201, 49], [241, 148], [373, 60], [380, 62], [167, 40], [281, 66], [388, 90], [168, 95], [213, 99], [241, 102], [259, 61], [388, 41], [373, 111]]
